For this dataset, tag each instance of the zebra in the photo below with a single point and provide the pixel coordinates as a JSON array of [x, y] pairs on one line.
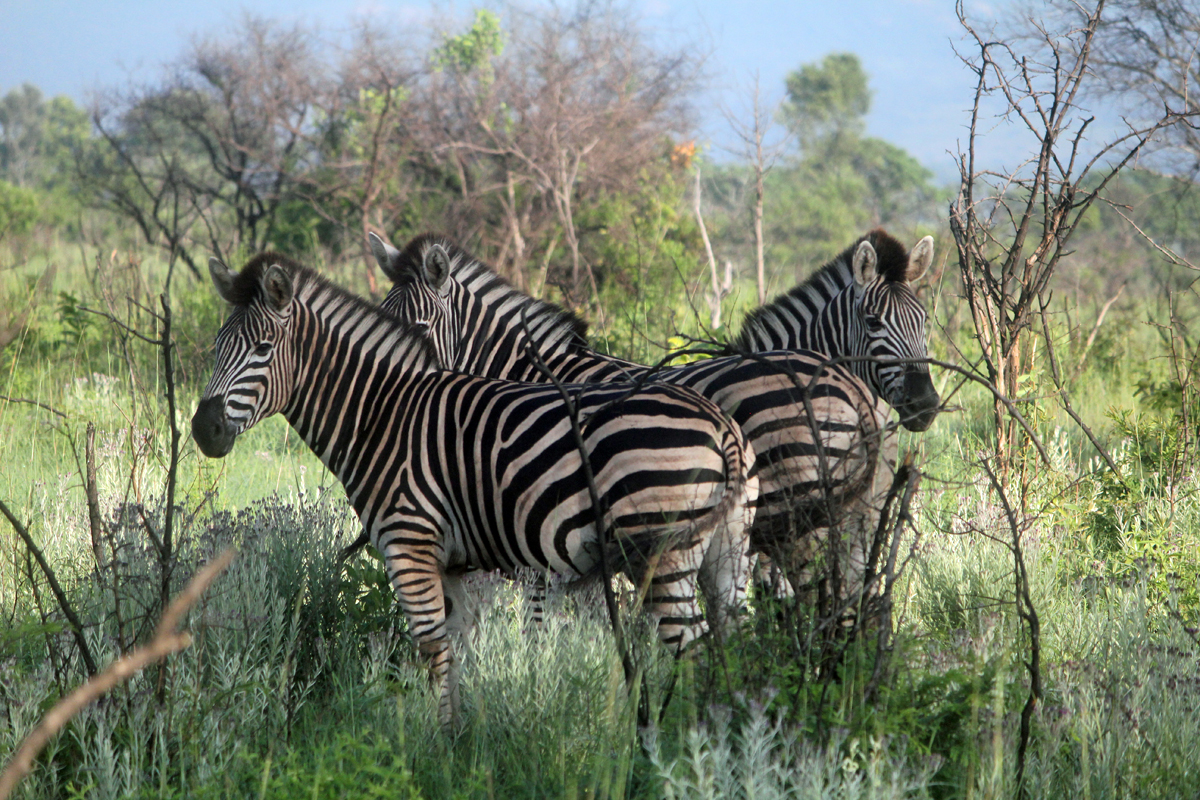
[[860, 306], [449, 472], [814, 426]]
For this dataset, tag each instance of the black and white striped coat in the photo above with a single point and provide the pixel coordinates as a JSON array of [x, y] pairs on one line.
[[813, 426], [450, 472], [860, 309]]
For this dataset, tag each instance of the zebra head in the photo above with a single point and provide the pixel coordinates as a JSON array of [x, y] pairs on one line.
[[421, 292], [887, 323], [252, 379]]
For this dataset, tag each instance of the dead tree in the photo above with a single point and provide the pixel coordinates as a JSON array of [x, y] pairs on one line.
[[575, 104], [1012, 226], [762, 151], [210, 155]]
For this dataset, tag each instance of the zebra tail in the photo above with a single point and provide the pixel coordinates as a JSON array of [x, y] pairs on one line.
[[349, 550]]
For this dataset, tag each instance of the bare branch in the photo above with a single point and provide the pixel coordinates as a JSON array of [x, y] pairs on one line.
[[60, 596], [37, 403]]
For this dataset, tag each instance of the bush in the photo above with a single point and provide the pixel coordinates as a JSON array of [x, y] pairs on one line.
[[18, 210]]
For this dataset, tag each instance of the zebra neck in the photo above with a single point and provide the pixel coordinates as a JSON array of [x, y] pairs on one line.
[[504, 325], [351, 368], [832, 333], [817, 315], [508, 353]]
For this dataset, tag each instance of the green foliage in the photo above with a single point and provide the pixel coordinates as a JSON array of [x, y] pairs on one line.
[[1140, 528], [343, 766], [18, 210], [760, 758], [39, 142], [644, 246], [22, 114], [816, 210], [299, 229], [827, 100], [473, 49], [840, 184], [75, 320]]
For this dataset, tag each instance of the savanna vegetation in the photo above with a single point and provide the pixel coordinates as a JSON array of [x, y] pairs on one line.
[[1040, 634]]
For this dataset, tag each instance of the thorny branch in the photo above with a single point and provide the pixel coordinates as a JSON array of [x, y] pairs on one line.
[[1028, 614], [599, 513], [1011, 240], [40, 405]]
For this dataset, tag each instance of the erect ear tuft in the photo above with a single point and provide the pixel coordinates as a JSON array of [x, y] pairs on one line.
[[386, 256], [277, 285], [864, 264], [222, 278], [436, 267], [919, 259]]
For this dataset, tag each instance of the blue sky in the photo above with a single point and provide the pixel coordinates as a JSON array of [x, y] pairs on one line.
[[921, 91]]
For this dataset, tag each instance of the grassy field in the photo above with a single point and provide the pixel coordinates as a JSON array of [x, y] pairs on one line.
[[302, 680]]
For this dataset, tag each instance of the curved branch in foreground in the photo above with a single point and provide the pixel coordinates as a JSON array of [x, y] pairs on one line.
[[165, 642]]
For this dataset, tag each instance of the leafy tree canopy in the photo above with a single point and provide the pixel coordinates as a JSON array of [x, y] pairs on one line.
[[843, 181], [828, 99]]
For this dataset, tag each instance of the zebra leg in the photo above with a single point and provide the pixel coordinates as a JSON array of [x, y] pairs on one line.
[[416, 576], [864, 517], [460, 622], [769, 578], [670, 592], [846, 544], [725, 570], [535, 602]]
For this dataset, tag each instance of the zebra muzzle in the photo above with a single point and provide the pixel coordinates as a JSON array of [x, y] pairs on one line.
[[921, 402], [211, 428]]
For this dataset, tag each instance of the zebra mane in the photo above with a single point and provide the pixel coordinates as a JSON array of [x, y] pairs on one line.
[[247, 286], [832, 278], [483, 280]]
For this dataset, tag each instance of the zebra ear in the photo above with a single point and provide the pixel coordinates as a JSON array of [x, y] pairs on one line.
[[386, 256], [919, 259], [864, 263], [435, 266], [277, 285], [222, 278]]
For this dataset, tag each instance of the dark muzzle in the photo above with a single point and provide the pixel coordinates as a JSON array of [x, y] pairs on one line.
[[211, 428], [921, 402]]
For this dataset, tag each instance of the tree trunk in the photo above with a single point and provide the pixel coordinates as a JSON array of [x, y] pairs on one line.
[[758, 227]]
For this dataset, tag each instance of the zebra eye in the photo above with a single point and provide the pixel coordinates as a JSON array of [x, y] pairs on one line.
[[263, 348], [874, 323]]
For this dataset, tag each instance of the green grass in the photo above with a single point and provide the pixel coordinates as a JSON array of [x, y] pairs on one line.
[[303, 682]]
